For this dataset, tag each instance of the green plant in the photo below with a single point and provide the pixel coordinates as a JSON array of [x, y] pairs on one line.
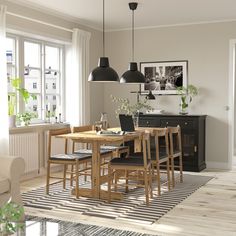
[[10, 216], [25, 117], [185, 92], [16, 84], [125, 107]]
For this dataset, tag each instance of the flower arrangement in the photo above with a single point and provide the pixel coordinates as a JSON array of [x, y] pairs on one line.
[[125, 107]]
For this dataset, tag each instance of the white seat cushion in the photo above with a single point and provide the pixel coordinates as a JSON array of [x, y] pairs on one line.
[[4, 185]]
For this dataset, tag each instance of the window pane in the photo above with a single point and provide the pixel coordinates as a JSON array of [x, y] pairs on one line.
[[52, 83], [52, 58], [33, 80], [32, 54], [53, 105], [10, 51], [10, 75], [34, 106]]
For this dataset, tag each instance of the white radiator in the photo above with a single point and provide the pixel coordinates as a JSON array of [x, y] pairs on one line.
[[26, 145]]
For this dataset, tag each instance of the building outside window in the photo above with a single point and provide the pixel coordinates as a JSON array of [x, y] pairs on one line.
[[39, 56], [34, 85]]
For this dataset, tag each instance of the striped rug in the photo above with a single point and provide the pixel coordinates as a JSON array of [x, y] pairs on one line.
[[131, 208], [47, 226]]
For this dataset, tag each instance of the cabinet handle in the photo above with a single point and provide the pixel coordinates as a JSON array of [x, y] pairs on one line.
[[167, 123], [147, 122], [195, 148], [186, 123]]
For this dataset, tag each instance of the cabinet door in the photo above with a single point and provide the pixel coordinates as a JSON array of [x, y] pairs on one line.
[[149, 122]]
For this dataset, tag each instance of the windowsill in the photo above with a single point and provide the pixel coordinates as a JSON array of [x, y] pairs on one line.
[[38, 126]]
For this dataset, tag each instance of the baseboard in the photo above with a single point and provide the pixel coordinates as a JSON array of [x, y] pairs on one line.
[[218, 165]]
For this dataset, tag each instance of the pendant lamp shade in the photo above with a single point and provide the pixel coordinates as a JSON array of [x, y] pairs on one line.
[[103, 73], [132, 75], [150, 96]]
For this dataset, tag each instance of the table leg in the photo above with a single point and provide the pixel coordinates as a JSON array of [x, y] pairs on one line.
[[96, 169]]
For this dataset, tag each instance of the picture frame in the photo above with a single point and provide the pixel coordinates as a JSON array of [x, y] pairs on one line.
[[163, 77]]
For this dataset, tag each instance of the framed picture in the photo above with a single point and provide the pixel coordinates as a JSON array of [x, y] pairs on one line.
[[163, 77]]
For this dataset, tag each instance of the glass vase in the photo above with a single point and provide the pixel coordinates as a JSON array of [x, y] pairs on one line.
[[184, 104]]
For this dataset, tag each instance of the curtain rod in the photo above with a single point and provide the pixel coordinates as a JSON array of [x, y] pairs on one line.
[[39, 21]]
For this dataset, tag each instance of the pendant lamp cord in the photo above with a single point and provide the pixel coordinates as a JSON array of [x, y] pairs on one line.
[[132, 35], [103, 28]]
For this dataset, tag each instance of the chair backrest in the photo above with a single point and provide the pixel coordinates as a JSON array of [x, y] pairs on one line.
[[77, 129], [54, 132], [84, 128], [161, 133], [175, 139], [146, 148]]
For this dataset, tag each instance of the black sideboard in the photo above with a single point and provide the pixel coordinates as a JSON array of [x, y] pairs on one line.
[[193, 136]]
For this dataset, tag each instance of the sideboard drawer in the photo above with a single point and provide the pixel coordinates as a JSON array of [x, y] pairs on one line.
[[188, 124], [150, 122]]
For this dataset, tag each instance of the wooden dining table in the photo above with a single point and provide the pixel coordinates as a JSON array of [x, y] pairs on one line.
[[96, 140]]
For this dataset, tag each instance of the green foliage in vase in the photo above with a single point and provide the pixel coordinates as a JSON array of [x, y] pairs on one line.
[[125, 107], [25, 117], [16, 84], [10, 216], [189, 91]]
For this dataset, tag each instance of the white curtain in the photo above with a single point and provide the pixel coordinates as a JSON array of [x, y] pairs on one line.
[[4, 130], [77, 86]]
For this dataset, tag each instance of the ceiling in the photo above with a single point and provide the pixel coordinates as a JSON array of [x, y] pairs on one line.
[[150, 13]]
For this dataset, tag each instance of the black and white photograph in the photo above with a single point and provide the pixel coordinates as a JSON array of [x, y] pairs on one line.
[[164, 77]]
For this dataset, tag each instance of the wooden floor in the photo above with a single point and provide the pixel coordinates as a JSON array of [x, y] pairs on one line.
[[211, 210]]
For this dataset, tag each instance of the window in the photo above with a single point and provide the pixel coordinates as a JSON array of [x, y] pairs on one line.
[[34, 85], [42, 71]]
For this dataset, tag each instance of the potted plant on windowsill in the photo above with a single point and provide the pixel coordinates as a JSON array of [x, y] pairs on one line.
[[186, 97], [16, 84]]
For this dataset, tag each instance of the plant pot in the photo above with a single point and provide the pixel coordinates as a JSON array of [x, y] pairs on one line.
[[12, 121]]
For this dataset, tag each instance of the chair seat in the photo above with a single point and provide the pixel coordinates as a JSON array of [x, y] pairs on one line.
[[89, 151], [4, 185], [71, 157], [112, 148], [162, 155], [129, 161]]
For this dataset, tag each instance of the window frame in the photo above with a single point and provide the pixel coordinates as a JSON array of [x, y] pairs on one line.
[[20, 69]]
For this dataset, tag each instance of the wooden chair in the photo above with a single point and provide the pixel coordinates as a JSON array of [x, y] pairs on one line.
[[65, 160], [176, 152], [161, 157], [135, 168], [106, 154]]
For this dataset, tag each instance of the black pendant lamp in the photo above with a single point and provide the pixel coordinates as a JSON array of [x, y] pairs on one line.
[[132, 76], [150, 96], [103, 73]]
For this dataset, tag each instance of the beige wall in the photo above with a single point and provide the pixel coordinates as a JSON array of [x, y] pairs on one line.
[[206, 47], [38, 30]]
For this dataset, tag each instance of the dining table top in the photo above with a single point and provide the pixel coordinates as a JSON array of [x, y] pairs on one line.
[[90, 136]]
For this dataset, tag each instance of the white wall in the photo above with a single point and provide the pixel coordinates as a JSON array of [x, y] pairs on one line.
[[38, 30], [206, 47]]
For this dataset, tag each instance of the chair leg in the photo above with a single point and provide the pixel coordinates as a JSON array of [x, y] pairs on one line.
[[168, 173], [116, 180], [109, 183], [150, 181], [146, 186], [77, 180], [126, 181], [86, 166], [158, 179], [64, 176], [181, 168], [72, 175], [48, 178], [173, 171]]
